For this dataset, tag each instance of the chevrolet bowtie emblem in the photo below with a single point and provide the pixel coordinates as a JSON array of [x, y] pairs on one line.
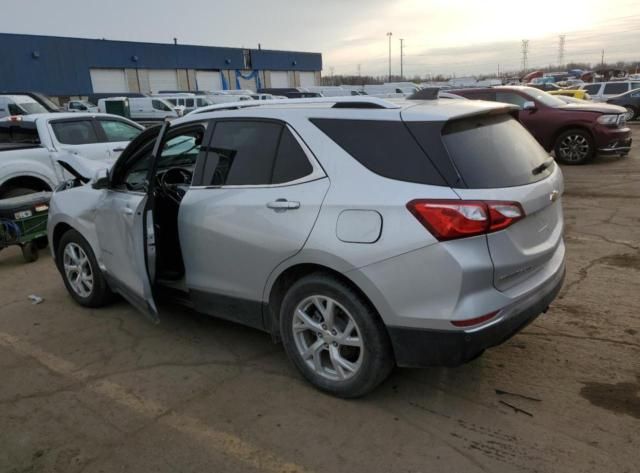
[[554, 196]]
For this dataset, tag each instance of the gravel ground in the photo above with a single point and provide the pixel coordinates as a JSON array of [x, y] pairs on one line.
[[105, 391]]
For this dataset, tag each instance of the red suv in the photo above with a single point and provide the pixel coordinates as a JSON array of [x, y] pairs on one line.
[[574, 131]]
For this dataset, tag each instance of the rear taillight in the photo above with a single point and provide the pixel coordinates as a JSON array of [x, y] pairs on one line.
[[451, 219], [474, 321]]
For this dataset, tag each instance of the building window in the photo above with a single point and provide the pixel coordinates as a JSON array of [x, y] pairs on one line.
[[246, 58]]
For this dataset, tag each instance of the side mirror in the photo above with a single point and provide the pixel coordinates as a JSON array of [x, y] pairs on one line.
[[530, 105], [100, 179]]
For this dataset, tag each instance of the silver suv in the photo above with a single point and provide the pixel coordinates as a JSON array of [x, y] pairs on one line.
[[361, 233]]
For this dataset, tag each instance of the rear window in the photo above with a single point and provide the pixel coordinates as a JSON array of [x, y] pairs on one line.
[[494, 151], [384, 147], [19, 132]]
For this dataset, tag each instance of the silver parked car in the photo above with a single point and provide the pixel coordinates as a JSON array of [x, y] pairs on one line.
[[361, 233]]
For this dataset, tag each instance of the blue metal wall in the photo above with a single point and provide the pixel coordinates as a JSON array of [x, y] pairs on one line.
[[60, 66]]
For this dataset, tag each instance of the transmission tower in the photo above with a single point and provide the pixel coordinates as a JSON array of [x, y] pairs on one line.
[[525, 52], [561, 50]]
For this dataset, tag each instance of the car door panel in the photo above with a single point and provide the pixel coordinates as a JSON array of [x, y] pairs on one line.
[[122, 222], [233, 238]]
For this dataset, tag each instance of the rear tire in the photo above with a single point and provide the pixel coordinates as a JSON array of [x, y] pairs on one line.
[[574, 146], [339, 344], [80, 271]]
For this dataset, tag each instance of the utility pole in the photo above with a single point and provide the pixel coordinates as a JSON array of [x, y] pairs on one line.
[[602, 60], [331, 69], [525, 52], [389, 35], [401, 57], [561, 50], [359, 70]]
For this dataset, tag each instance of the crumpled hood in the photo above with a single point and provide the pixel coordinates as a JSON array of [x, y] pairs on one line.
[[593, 107], [82, 168]]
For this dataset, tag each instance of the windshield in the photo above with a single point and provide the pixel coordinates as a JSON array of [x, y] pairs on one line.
[[543, 97], [32, 107]]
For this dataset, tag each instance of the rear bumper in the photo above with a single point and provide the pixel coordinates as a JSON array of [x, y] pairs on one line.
[[418, 347]]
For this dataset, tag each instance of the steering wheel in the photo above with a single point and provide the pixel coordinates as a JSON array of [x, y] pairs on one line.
[[172, 180]]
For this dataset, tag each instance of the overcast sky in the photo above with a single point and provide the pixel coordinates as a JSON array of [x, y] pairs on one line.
[[441, 36]]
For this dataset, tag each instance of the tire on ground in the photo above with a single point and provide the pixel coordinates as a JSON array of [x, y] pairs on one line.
[[575, 134], [100, 294], [377, 355]]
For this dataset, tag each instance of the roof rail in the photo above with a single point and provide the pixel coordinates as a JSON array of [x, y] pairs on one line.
[[338, 102]]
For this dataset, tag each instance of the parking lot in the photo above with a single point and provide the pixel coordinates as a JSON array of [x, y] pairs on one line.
[[106, 390]]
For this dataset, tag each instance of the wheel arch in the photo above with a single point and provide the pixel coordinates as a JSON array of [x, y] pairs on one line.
[[60, 229], [573, 126], [29, 181], [288, 277]]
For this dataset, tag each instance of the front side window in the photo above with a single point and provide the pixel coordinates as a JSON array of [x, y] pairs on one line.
[[615, 88], [115, 130], [241, 153], [545, 98], [77, 132], [160, 105], [179, 150], [188, 103]]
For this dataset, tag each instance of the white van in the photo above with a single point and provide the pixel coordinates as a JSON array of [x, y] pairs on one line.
[[19, 105], [188, 102], [144, 108], [602, 91]]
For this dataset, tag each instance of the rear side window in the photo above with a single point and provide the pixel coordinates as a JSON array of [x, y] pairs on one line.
[[494, 151], [241, 153], [291, 161], [616, 88], [384, 147], [78, 132], [19, 132]]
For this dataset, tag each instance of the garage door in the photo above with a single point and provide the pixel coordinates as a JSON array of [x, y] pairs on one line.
[[208, 80], [163, 79], [307, 79], [279, 79], [108, 80]]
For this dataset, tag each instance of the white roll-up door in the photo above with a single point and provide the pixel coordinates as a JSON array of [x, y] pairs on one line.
[[279, 79], [208, 80], [163, 79], [108, 80], [307, 79]]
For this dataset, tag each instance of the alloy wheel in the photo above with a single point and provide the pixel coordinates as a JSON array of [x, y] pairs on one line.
[[327, 338], [77, 270], [629, 114], [574, 148]]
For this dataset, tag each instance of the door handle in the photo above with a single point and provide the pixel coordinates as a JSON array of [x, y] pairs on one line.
[[283, 204], [118, 150], [128, 211]]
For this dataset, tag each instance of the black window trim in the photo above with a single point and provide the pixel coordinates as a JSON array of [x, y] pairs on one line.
[[316, 173]]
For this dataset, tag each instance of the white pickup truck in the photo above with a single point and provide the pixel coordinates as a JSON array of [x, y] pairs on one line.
[[32, 145]]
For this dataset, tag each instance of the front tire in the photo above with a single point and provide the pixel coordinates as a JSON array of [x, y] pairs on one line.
[[574, 147], [80, 272], [334, 337], [630, 113]]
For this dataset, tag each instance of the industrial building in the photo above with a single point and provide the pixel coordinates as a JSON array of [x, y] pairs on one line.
[[75, 67]]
